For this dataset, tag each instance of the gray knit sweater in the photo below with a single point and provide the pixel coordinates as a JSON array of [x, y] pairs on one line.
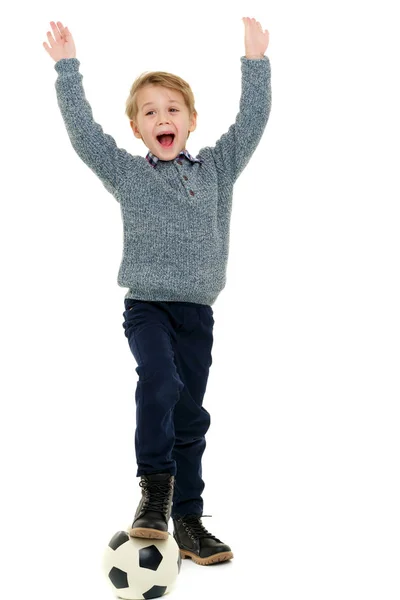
[[176, 213]]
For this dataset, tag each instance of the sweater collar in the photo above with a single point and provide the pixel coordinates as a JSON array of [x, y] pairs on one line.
[[153, 159]]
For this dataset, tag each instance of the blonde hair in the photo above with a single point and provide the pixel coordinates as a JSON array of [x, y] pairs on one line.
[[164, 79]]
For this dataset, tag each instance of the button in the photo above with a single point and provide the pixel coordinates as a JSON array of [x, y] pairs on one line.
[[185, 178], [179, 162], [191, 192]]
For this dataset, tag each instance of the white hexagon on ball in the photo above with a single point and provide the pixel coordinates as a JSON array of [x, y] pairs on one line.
[[138, 568]]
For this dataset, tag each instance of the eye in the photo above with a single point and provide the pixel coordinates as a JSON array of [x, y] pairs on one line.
[[153, 111]]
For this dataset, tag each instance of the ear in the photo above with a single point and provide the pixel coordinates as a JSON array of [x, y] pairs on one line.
[[193, 123], [135, 129]]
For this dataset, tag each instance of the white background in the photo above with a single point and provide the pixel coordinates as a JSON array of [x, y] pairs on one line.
[[302, 459]]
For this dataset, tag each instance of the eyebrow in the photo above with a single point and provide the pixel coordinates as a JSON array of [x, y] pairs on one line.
[[171, 101]]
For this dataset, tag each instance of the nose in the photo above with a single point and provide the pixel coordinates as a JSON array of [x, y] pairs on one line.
[[164, 117]]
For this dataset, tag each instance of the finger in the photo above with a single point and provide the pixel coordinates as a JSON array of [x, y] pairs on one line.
[[51, 39], [55, 31], [62, 29]]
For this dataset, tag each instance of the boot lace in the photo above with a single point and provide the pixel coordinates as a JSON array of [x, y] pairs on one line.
[[194, 527], [156, 495]]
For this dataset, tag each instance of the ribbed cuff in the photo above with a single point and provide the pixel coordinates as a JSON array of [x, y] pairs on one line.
[[261, 58], [67, 65]]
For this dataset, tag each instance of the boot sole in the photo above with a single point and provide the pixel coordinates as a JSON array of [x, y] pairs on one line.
[[152, 534], [209, 560]]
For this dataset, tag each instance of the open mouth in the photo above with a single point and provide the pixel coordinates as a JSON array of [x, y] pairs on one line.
[[166, 139]]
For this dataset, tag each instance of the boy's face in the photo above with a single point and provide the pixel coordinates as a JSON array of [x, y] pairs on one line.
[[167, 111]]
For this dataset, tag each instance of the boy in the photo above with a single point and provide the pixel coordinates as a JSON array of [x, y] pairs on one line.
[[176, 213]]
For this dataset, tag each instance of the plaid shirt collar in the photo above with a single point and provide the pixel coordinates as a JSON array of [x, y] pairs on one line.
[[153, 160]]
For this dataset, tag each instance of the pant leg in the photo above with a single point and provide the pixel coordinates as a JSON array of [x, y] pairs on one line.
[[191, 420], [150, 333], [171, 342]]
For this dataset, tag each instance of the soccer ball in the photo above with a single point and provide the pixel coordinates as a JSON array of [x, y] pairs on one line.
[[140, 568]]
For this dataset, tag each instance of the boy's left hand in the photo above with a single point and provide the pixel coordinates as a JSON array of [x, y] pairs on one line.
[[255, 39]]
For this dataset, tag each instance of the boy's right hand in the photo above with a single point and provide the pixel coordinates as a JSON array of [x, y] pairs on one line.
[[62, 46]]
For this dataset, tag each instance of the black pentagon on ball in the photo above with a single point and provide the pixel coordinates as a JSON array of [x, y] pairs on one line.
[[150, 557], [121, 537], [118, 578], [155, 592]]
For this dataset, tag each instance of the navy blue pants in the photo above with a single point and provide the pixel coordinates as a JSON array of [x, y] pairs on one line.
[[171, 343]]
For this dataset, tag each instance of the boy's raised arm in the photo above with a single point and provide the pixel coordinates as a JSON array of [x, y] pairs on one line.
[[234, 148], [97, 149]]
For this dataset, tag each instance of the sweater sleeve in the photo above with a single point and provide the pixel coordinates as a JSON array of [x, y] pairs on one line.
[[234, 148], [97, 149]]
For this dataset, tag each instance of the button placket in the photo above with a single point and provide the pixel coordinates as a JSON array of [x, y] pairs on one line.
[[191, 192]]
